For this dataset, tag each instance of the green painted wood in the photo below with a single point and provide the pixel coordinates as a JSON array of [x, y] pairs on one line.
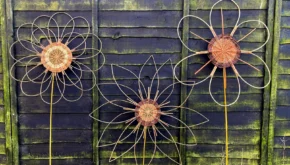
[[10, 110], [3, 149], [95, 62], [51, 5], [273, 97], [244, 4], [184, 93], [267, 91], [141, 5]]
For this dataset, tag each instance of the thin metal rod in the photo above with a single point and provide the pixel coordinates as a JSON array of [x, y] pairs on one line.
[[50, 119], [226, 115], [202, 67], [198, 36], [246, 35], [249, 64], [144, 146]]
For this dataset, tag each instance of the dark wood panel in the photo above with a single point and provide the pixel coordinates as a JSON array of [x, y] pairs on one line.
[[52, 5], [38, 136], [60, 121], [64, 150]]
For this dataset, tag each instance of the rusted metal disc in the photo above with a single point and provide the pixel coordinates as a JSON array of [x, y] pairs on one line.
[[224, 51], [147, 112], [56, 57]]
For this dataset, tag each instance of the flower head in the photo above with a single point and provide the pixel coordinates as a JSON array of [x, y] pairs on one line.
[[56, 51], [225, 50], [146, 108]]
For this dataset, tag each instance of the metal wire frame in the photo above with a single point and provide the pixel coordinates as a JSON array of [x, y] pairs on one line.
[[66, 35], [205, 52], [141, 93]]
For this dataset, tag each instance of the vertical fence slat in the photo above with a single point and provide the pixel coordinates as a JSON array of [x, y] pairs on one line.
[[267, 91], [273, 96], [95, 30], [184, 53]]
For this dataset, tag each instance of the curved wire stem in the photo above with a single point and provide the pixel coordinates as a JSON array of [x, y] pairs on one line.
[[50, 120]]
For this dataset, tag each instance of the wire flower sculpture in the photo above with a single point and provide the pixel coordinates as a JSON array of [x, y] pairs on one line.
[[55, 53], [224, 51], [148, 107]]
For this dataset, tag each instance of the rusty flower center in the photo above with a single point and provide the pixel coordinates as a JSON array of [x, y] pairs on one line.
[[56, 57], [147, 112], [224, 51]]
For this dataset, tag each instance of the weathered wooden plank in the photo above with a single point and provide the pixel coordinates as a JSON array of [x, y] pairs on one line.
[[60, 121], [281, 141], [139, 59], [107, 117], [282, 127], [143, 5], [21, 17], [199, 45], [2, 132], [3, 159], [25, 32], [148, 72], [2, 114], [33, 88], [243, 69], [170, 19], [28, 136], [237, 137], [217, 87], [278, 156], [284, 67], [136, 45], [247, 120], [131, 161], [283, 52], [119, 32], [243, 4], [230, 17], [275, 99], [285, 22], [282, 113], [58, 161], [215, 151], [111, 108], [62, 150], [285, 8], [36, 105], [95, 92], [220, 160], [259, 35], [11, 143], [169, 149], [283, 81], [51, 5], [2, 146], [286, 34], [124, 5], [204, 103], [112, 135], [133, 84], [166, 19], [284, 97]]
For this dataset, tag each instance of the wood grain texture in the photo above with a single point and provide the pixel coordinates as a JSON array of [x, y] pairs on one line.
[[279, 95]]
